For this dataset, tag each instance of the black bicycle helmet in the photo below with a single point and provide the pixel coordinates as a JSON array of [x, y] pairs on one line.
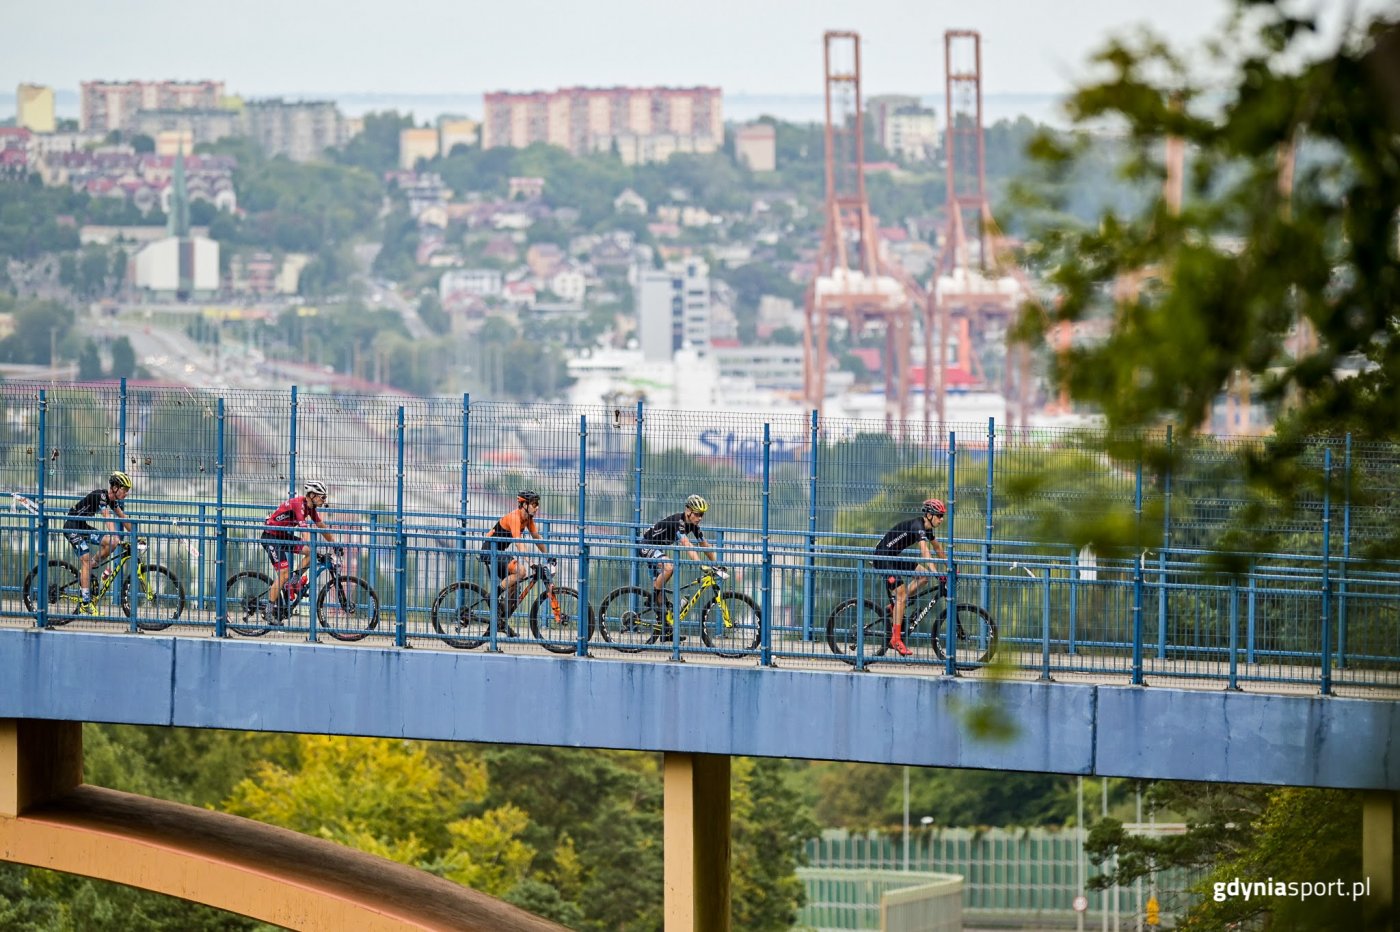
[[528, 497]]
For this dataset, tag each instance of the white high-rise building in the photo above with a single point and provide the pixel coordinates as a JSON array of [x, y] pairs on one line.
[[673, 309]]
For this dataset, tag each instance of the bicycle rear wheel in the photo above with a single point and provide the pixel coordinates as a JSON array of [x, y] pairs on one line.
[[558, 631], [975, 640], [245, 597], [162, 597], [63, 596], [462, 615], [627, 621], [856, 625], [347, 608], [732, 624]]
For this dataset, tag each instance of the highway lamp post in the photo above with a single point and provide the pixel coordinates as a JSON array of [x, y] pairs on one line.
[[906, 818]]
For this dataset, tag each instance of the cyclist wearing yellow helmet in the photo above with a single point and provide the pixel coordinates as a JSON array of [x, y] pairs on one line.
[[681, 528], [82, 536]]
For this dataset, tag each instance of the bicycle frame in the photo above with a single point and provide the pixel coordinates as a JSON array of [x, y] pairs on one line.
[[702, 583]]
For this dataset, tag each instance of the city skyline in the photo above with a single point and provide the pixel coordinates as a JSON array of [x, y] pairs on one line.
[[324, 48]]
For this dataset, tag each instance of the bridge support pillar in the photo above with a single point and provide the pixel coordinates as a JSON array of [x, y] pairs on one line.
[[39, 761], [1378, 838], [696, 848]]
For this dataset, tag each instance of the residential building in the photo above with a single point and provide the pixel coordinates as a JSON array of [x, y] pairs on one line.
[[528, 187], [457, 131], [202, 125], [630, 202], [416, 143], [460, 288], [879, 108], [109, 105], [756, 147], [302, 130], [650, 123], [673, 309], [911, 132], [174, 141], [34, 108]]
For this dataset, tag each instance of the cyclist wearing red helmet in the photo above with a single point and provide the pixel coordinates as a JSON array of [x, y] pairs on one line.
[[508, 530], [898, 570]]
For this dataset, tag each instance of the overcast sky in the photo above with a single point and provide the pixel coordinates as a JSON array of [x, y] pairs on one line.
[[264, 47]]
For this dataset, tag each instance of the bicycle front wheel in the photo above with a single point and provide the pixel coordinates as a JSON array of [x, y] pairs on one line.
[[975, 640], [347, 608], [554, 620], [63, 595], [462, 615], [162, 597], [857, 626], [732, 624], [627, 621], [245, 598]]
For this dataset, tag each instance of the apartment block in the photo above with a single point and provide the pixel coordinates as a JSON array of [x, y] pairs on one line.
[[34, 108], [416, 143], [109, 105], [673, 309], [301, 130], [201, 125], [651, 123], [756, 147]]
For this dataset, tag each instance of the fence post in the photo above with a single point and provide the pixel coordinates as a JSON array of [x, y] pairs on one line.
[[1234, 632], [121, 422], [1327, 572], [465, 498], [636, 498], [41, 590], [765, 625], [950, 663], [292, 447], [985, 592], [1251, 601], [584, 611], [1137, 579], [1075, 581], [400, 547], [1162, 554], [1344, 572], [808, 580], [1044, 627], [220, 531]]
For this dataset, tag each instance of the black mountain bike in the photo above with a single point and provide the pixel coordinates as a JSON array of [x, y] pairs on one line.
[[925, 631], [347, 607], [462, 613], [162, 598]]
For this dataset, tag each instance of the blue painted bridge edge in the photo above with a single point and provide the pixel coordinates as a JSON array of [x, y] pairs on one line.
[[1147, 732]]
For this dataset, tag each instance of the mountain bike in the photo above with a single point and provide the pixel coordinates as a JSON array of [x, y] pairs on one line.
[[161, 590], [730, 622], [462, 613], [347, 607], [975, 639]]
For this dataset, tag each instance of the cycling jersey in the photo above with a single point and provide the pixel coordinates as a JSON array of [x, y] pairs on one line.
[[903, 536], [291, 514], [508, 528], [669, 530], [88, 506]]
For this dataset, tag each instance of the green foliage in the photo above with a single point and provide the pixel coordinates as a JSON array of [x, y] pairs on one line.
[[1223, 281], [1251, 833], [376, 148], [123, 358], [39, 327], [770, 824], [29, 215]]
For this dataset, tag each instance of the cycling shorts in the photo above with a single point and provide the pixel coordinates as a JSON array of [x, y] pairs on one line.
[[82, 541]]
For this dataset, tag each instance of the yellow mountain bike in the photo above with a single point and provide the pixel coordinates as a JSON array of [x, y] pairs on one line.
[[730, 622], [162, 598]]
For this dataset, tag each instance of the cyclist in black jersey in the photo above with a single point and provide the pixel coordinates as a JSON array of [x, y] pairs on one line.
[[682, 528], [897, 569], [82, 536]]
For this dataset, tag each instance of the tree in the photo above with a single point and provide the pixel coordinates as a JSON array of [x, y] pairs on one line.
[[123, 358], [1246, 258], [770, 822], [89, 363], [1249, 833], [377, 146]]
